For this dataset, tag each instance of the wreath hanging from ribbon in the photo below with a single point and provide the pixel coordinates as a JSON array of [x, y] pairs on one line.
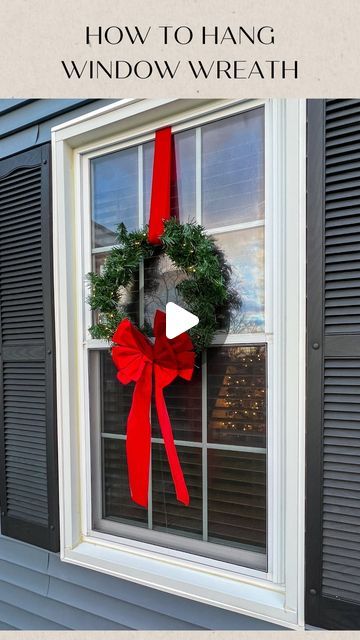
[[205, 291]]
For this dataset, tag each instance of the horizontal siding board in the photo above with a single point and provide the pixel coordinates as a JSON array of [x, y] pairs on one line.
[[13, 616], [8, 104], [24, 555], [118, 612], [33, 112], [67, 616], [6, 627], [23, 577], [182, 609], [34, 129], [38, 591]]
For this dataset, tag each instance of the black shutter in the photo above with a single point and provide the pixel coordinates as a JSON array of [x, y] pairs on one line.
[[29, 493], [333, 390]]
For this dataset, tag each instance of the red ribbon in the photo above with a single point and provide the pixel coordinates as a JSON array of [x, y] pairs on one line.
[[162, 179], [137, 360]]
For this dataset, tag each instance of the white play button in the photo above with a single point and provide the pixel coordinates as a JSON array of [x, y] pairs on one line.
[[178, 320]]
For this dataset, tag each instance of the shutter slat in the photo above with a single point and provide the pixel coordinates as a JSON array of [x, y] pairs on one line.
[[335, 107], [341, 493], [342, 243]]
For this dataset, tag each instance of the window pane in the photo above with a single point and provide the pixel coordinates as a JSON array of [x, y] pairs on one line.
[[233, 169], [114, 195], [169, 514], [237, 498], [244, 250], [115, 398], [117, 503], [183, 196], [98, 260], [236, 395], [183, 401], [148, 159]]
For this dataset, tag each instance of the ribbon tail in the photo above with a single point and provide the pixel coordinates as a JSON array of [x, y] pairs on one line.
[[182, 493], [138, 438]]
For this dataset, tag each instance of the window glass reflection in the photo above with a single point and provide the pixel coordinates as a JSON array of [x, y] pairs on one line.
[[233, 169], [114, 195], [244, 249]]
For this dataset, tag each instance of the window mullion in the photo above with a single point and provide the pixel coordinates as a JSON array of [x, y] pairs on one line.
[[198, 205], [107, 249], [142, 299], [150, 503], [198, 215], [141, 224], [204, 447]]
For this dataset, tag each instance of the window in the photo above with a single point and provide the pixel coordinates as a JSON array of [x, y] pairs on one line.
[[219, 418], [239, 424]]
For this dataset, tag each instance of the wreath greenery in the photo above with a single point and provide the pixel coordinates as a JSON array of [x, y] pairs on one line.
[[205, 290]]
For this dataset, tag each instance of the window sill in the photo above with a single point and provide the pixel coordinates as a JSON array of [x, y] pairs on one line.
[[238, 593]]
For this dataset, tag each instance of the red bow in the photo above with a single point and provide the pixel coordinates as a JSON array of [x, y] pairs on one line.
[[136, 359]]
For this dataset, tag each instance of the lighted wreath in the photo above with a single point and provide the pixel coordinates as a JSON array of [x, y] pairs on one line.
[[205, 291]]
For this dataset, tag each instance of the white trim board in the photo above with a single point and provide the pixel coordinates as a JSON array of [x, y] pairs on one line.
[[277, 596]]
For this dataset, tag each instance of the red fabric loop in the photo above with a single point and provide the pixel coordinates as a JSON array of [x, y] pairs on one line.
[[137, 360], [161, 185]]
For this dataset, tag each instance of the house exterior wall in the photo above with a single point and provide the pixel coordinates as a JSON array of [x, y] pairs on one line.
[[26, 123], [37, 590]]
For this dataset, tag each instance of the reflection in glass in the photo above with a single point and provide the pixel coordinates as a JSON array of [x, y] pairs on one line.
[[161, 278], [183, 195], [98, 261], [236, 395], [233, 169], [244, 250], [148, 159], [114, 194]]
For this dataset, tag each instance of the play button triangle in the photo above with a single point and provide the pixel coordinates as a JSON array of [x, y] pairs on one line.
[[178, 320]]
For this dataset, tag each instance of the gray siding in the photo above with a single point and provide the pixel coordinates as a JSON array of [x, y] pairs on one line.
[[37, 590], [26, 123]]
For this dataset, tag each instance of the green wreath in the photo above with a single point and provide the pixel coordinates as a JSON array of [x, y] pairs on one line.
[[205, 290]]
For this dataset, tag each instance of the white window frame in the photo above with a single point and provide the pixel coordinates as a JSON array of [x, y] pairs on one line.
[[276, 596]]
